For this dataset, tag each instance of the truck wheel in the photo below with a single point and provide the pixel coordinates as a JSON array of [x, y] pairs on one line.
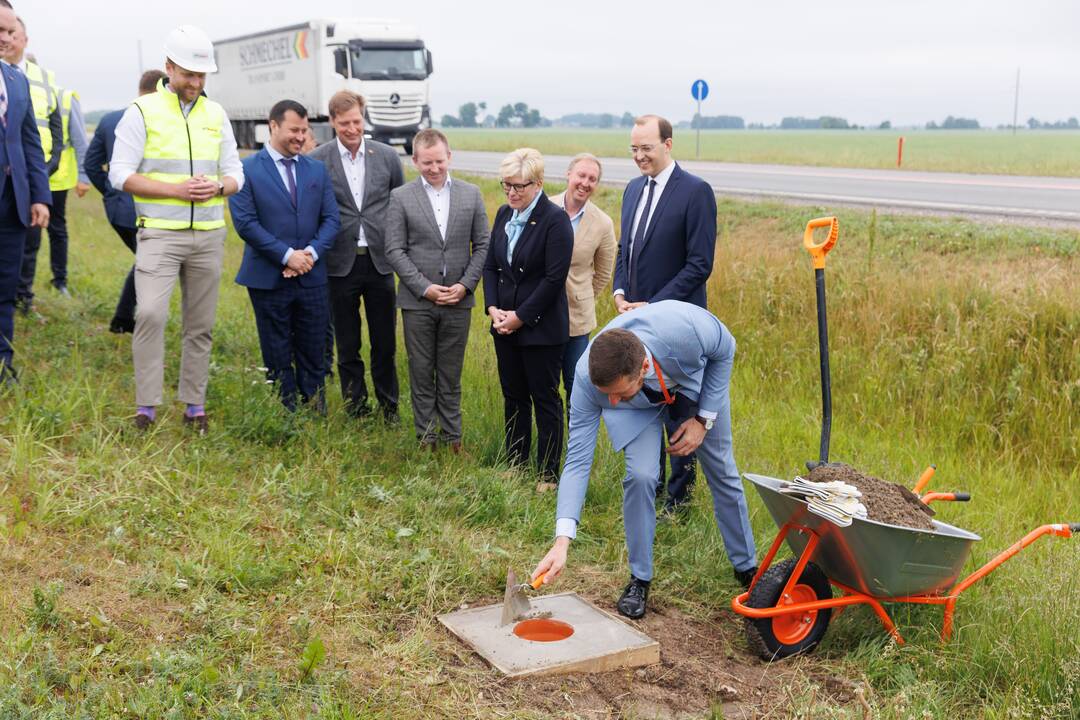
[[407, 147], [782, 636]]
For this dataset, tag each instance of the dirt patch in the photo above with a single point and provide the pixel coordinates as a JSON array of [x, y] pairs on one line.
[[704, 664], [884, 501]]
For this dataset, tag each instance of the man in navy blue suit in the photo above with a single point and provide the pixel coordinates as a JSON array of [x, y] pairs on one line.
[[119, 206], [24, 187], [287, 215], [665, 253]]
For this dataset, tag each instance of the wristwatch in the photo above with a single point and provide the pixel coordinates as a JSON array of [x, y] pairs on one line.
[[221, 188], [706, 422]]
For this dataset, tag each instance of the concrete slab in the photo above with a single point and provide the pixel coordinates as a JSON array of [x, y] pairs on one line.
[[600, 641]]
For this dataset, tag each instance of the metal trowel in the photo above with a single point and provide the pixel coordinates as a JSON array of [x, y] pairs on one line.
[[515, 601]]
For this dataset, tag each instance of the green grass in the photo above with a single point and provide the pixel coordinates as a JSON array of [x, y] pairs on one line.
[[1055, 153], [292, 567]]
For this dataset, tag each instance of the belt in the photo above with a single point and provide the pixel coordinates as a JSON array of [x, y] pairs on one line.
[[361, 250]]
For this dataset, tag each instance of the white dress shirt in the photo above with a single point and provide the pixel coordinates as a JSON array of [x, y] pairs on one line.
[[440, 203], [283, 172], [661, 182], [355, 169], [131, 141], [568, 526], [3, 89]]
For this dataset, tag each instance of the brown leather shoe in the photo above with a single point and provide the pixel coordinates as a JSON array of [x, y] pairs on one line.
[[199, 424], [456, 448], [427, 446], [143, 422]]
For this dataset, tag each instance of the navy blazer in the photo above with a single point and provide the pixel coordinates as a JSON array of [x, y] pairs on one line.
[[23, 159], [119, 206], [676, 255], [264, 217], [534, 285]]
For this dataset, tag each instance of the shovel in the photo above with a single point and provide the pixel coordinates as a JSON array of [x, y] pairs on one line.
[[515, 601], [818, 251]]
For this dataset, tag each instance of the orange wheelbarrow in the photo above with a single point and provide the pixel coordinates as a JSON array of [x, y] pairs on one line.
[[788, 605]]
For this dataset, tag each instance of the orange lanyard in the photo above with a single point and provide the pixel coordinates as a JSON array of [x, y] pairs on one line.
[[668, 400]]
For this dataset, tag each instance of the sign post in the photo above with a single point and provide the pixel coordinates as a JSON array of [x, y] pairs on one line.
[[699, 90]]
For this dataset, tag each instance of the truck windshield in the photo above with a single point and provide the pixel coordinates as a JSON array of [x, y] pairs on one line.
[[388, 63]]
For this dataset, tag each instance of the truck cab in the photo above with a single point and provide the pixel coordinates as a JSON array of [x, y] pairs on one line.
[[389, 65]]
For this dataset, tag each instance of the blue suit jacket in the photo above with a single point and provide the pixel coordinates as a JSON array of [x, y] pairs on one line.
[[694, 350], [119, 206], [22, 146], [676, 255], [264, 217]]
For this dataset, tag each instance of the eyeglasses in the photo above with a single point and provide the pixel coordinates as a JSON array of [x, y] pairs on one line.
[[516, 187], [643, 149]]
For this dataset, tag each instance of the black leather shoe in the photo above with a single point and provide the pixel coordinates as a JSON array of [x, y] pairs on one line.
[[745, 577], [390, 415], [632, 601], [122, 325]]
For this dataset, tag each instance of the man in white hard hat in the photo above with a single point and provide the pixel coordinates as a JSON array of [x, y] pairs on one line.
[[176, 154]]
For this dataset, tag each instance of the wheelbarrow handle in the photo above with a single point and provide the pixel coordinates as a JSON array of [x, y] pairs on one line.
[[818, 250], [950, 497]]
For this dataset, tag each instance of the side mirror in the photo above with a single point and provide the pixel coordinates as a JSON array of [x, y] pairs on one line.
[[341, 61], [430, 64]]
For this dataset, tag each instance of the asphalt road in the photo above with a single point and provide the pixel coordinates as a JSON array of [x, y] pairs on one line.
[[1026, 199]]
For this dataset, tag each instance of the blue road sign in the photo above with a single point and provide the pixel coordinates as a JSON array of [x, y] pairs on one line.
[[700, 90]]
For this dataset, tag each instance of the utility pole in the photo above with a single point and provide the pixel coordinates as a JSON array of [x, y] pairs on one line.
[[1016, 100]]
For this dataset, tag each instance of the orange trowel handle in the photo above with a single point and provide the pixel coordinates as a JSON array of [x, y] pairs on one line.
[[538, 582], [818, 251]]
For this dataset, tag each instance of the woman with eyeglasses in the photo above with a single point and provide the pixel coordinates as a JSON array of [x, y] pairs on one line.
[[532, 242]]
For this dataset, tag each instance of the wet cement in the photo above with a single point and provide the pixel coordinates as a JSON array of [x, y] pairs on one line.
[[884, 501]]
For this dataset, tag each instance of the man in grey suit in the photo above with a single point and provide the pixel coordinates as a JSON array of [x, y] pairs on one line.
[[436, 241], [665, 361], [363, 172]]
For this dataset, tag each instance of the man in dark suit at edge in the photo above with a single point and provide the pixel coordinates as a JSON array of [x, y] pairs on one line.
[[24, 187], [665, 252]]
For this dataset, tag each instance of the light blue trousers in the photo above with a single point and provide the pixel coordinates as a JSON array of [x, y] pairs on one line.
[[716, 460]]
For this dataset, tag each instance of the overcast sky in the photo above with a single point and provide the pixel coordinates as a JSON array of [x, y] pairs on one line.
[[865, 60]]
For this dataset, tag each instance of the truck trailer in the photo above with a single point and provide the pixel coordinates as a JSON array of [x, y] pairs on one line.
[[383, 60]]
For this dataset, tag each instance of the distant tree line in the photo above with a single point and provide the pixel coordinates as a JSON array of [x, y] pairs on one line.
[[717, 122], [596, 120], [1070, 124], [954, 123], [516, 115]]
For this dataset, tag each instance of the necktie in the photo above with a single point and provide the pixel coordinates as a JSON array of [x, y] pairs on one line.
[[288, 163], [639, 237], [654, 396], [3, 108]]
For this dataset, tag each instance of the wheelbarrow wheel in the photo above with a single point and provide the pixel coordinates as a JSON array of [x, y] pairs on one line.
[[782, 636]]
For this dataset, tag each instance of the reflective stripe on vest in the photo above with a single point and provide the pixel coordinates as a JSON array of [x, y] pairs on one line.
[[43, 98], [67, 173], [176, 149]]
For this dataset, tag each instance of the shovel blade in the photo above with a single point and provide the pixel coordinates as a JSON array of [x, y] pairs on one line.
[[515, 601]]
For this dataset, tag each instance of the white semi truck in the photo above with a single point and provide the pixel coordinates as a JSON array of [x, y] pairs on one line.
[[383, 60]]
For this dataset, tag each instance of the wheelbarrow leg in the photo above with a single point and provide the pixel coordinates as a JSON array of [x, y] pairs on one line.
[[1059, 529]]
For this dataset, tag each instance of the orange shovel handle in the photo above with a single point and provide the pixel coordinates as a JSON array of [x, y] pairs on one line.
[[535, 584], [818, 251]]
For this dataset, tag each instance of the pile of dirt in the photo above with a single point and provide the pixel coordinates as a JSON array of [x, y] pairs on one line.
[[884, 501]]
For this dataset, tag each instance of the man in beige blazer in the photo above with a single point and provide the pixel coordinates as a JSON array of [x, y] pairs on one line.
[[594, 257]]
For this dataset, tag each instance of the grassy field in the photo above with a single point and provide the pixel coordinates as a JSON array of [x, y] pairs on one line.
[[291, 567], [1054, 153]]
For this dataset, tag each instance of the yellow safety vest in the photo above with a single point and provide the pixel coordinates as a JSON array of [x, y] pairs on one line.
[[43, 97], [176, 149], [67, 173]]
